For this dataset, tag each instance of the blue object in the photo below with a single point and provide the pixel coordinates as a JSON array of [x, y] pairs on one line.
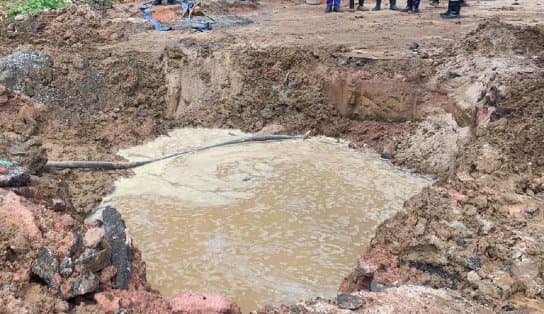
[[8, 163], [148, 17], [333, 4], [201, 26]]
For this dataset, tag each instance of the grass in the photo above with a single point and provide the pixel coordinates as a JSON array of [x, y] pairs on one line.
[[14, 8]]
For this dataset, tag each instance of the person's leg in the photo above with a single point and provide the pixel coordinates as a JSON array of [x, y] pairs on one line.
[[393, 5], [415, 6], [378, 6], [409, 4], [336, 6], [329, 6], [454, 10], [361, 6]]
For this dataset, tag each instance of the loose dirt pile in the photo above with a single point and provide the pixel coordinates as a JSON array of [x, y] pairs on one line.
[[479, 229]]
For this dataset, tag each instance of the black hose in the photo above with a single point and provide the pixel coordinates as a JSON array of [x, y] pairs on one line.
[[107, 165]]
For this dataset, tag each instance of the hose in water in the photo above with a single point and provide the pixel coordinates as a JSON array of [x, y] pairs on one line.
[[107, 165]]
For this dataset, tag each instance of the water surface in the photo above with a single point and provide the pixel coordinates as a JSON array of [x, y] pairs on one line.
[[260, 223]]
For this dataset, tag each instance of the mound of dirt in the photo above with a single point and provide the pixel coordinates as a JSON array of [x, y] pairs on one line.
[[74, 26], [494, 37], [478, 228]]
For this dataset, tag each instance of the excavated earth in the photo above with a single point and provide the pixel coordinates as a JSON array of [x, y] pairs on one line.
[[461, 101]]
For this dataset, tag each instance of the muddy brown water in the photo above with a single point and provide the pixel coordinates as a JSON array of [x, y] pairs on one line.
[[260, 223]]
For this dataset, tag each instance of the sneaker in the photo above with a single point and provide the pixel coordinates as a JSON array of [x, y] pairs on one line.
[[361, 8], [328, 10]]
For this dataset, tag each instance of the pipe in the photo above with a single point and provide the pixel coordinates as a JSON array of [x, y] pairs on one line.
[[107, 165]]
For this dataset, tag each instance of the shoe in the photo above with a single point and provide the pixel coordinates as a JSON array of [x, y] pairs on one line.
[[393, 5], [454, 10], [378, 6], [361, 8], [336, 9], [328, 10], [409, 5]]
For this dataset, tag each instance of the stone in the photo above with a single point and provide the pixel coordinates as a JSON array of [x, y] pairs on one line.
[[471, 261], [46, 266], [107, 302], [504, 282], [532, 208], [488, 159], [376, 286], [107, 274], [93, 261], [349, 301], [3, 89], [487, 289], [484, 225], [15, 177], [3, 99], [93, 236], [359, 279], [84, 285], [121, 254], [66, 267], [414, 46], [197, 302], [473, 277]]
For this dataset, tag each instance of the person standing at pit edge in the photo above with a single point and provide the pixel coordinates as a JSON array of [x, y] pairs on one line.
[[333, 6], [378, 6], [454, 10], [412, 6]]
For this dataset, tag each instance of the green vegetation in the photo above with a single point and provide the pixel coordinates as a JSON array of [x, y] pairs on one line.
[[14, 8]]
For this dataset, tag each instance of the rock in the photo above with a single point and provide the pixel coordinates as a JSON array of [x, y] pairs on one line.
[[61, 306], [196, 302], [460, 228], [532, 208], [487, 289], [107, 274], [504, 282], [93, 261], [66, 267], [488, 159], [16, 176], [484, 226], [3, 90], [376, 286], [349, 301], [46, 266], [414, 46], [3, 99], [93, 236], [358, 279], [473, 277], [83, 285], [16, 67], [107, 302], [121, 254], [471, 261]]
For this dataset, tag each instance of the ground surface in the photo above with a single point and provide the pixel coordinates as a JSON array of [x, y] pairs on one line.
[[461, 100]]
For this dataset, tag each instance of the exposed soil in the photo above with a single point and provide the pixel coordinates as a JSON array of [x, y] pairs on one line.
[[461, 101]]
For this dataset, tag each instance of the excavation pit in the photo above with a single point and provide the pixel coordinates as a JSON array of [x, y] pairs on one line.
[[261, 223]]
